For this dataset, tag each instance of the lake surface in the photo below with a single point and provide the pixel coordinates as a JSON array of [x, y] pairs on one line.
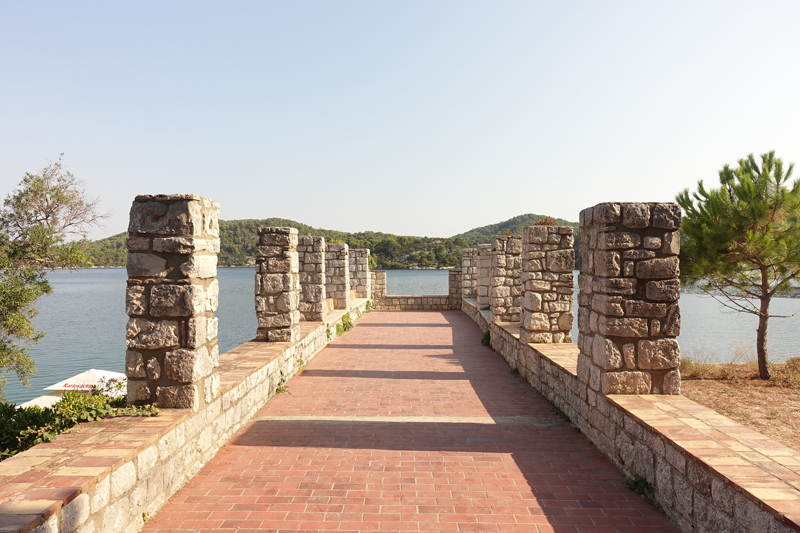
[[85, 322]]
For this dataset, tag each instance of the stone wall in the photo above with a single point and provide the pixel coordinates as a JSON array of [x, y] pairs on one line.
[[506, 278], [337, 275], [277, 285], [378, 280], [483, 276], [403, 302], [360, 278], [172, 293], [547, 263], [469, 272], [629, 288], [311, 258]]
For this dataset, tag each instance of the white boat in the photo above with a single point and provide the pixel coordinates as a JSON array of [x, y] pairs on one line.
[[82, 382]]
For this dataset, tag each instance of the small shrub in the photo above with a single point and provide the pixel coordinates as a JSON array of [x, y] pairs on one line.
[[640, 486], [368, 307], [487, 339], [347, 322], [793, 365], [329, 333], [546, 221], [561, 414], [339, 330], [486, 308]]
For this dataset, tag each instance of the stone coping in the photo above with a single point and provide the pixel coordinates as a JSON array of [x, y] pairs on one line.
[[39, 482], [762, 470]]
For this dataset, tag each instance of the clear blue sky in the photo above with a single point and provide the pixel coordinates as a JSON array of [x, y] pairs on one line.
[[422, 118]]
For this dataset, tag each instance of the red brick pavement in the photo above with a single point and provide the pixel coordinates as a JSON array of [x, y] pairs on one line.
[[317, 459]]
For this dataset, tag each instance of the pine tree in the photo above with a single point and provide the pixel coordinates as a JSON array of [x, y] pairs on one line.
[[742, 241]]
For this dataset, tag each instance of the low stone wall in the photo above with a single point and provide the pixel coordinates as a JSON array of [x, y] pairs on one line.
[[406, 302], [708, 473], [112, 475]]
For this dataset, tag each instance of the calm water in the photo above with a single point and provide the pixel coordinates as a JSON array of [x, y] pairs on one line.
[[85, 322]]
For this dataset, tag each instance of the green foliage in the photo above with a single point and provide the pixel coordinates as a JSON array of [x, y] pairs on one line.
[[22, 428], [368, 307], [347, 322], [487, 338], [742, 240], [42, 225], [238, 243], [339, 330], [329, 333], [642, 487]]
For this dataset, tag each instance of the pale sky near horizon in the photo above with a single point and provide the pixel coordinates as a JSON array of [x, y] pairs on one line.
[[414, 118]]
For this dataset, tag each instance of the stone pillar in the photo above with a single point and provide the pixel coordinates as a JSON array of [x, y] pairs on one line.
[[469, 272], [311, 256], [454, 280], [506, 280], [360, 279], [277, 285], [337, 275], [172, 356], [378, 284], [629, 288], [484, 274], [547, 263]]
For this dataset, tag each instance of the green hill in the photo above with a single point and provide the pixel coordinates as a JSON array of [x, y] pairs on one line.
[[238, 243]]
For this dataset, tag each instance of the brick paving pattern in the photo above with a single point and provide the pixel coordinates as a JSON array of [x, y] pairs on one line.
[[407, 423]]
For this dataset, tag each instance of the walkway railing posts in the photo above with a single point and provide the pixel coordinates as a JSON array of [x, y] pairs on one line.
[[547, 263], [360, 278], [172, 294], [337, 275], [505, 279], [484, 274], [311, 255], [277, 285], [629, 288], [469, 272]]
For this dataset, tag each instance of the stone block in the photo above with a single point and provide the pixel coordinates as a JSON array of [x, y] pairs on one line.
[[659, 354], [565, 321], [652, 243], [138, 391], [200, 266], [636, 215], [153, 369], [668, 267], [141, 265], [134, 364], [622, 327], [672, 324], [667, 216], [177, 300], [623, 286], [188, 366], [167, 215], [618, 240], [185, 245], [629, 355], [672, 382], [606, 213], [640, 308], [607, 305], [178, 397], [560, 261], [663, 291], [145, 334], [626, 383], [135, 300], [605, 353], [607, 264]]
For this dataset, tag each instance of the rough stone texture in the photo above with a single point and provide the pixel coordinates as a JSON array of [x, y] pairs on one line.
[[547, 284], [172, 295], [360, 279], [469, 272], [378, 285], [628, 301], [278, 285], [337, 275], [484, 273], [505, 280], [311, 259]]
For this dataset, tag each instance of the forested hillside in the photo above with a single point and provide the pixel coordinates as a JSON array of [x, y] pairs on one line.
[[238, 242]]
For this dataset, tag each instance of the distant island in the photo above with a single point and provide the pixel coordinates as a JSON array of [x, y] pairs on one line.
[[238, 248]]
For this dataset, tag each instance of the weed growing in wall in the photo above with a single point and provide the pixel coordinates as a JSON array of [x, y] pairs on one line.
[[487, 339], [339, 330], [368, 307], [329, 333], [640, 486], [347, 322]]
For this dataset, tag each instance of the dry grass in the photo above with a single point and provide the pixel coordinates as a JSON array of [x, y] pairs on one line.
[[734, 390]]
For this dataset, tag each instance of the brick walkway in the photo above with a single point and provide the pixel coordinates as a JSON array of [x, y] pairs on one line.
[[407, 423]]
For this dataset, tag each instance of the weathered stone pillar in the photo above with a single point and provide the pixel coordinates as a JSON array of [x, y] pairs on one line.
[[484, 260], [172, 356], [454, 280], [469, 272], [506, 280], [360, 279], [547, 263], [629, 288], [311, 256], [277, 285], [378, 285], [337, 275]]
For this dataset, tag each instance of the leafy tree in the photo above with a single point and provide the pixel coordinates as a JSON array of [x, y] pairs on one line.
[[42, 226], [742, 240]]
